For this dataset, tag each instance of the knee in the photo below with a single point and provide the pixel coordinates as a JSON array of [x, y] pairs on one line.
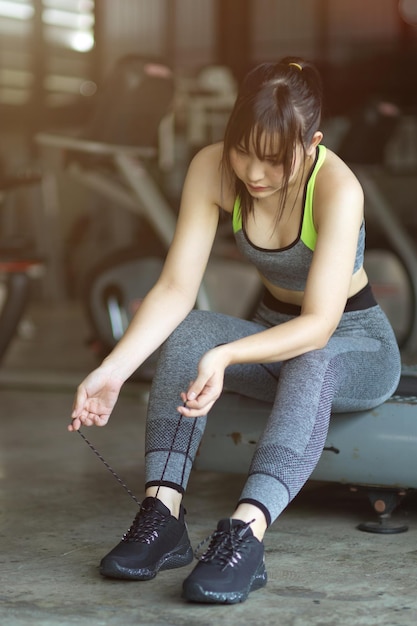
[[191, 327], [189, 335], [308, 361]]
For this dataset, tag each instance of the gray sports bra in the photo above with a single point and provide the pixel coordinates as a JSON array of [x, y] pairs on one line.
[[288, 267]]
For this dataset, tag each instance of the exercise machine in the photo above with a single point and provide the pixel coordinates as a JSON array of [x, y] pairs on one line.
[[19, 266]]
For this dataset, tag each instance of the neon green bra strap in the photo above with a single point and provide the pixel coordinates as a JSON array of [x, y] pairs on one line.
[[237, 216], [308, 231]]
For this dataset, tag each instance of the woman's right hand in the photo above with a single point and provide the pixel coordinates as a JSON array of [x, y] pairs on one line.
[[95, 399]]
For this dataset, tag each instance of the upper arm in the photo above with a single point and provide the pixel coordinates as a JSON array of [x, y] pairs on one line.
[[338, 214], [196, 225]]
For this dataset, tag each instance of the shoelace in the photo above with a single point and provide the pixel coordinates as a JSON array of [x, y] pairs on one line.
[[226, 546], [145, 526], [111, 470], [117, 477]]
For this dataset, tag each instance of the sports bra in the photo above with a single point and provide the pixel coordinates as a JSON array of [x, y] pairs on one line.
[[288, 267]]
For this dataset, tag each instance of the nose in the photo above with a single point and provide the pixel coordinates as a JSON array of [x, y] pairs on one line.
[[254, 171]]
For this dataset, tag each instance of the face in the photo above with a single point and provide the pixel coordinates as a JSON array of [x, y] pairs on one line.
[[264, 176]]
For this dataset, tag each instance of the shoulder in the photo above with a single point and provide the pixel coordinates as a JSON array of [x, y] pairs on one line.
[[205, 172], [337, 182], [207, 160]]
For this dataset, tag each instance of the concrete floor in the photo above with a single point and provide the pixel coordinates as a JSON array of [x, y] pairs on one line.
[[62, 511]]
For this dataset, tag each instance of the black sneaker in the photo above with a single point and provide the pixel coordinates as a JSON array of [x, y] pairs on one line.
[[232, 566], [155, 541]]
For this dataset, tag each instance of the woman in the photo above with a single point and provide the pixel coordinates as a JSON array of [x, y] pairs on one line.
[[318, 342]]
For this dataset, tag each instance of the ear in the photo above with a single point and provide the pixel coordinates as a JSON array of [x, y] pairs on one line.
[[317, 137]]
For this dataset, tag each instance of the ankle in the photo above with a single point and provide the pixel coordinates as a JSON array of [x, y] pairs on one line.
[[254, 516], [170, 497]]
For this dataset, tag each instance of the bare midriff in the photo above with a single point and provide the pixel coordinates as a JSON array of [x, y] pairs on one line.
[[358, 282]]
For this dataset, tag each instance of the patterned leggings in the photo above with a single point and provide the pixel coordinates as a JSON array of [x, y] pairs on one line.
[[357, 370]]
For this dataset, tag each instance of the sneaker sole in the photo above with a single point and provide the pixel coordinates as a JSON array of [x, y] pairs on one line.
[[193, 592], [172, 560]]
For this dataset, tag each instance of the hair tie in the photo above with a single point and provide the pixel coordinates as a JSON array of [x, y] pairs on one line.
[[297, 65]]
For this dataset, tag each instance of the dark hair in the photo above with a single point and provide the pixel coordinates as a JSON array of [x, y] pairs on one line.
[[283, 98]]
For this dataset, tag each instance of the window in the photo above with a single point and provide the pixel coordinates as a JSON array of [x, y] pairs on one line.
[[46, 49]]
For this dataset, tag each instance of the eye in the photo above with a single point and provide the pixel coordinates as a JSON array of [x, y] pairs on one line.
[[241, 149], [273, 160]]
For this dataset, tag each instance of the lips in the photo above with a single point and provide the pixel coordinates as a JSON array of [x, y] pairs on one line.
[[256, 188]]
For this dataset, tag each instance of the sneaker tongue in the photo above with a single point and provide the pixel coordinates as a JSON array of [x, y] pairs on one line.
[[224, 524], [154, 504], [229, 523]]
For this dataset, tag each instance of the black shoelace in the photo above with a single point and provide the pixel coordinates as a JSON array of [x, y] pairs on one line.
[[146, 526], [122, 483], [111, 470], [226, 547]]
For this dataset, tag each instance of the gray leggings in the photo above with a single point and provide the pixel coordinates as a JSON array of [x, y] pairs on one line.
[[358, 369]]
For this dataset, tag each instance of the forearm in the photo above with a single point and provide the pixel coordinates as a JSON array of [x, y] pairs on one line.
[[280, 343], [288, 340]]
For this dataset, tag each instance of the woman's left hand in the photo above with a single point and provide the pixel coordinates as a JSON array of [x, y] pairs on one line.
[[206, 389]]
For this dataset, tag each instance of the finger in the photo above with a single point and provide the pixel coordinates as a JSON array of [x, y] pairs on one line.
[[84, 419], [195, 389], [101, 420], [200, 404], [197, 412], [79, 403], [208, 394], [75, 425], [89, 419]]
